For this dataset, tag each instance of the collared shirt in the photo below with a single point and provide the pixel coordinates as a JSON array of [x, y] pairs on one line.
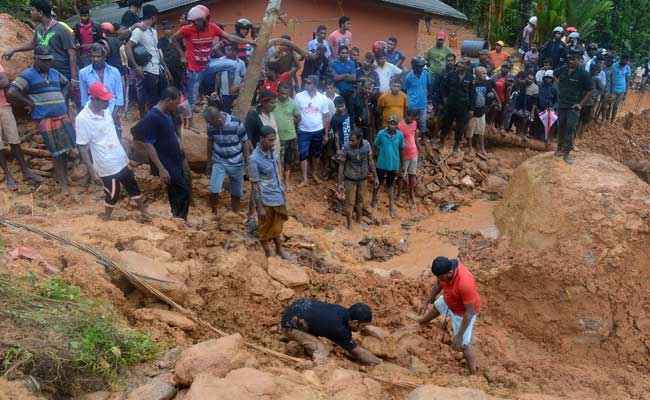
[[386, 73], [112, 80], [98, 132], [149, 39], [312, 47], [229, 141], [263, 169], [573, 85], [417, 89], [340, 68], [45, 93]]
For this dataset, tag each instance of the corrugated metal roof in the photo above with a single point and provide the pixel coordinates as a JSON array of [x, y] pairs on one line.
[[113, 13], [429, 6]]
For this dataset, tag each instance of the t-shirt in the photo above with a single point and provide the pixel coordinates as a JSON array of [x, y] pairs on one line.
[[285, 114], [312, 110], [528, 32], [149, 39], [159, 130], [620, 77], [3, 99], [98, 132], [198, 44], [392, 105], [46, 94], [356, 161], [572, 86], [436, 58], [460, 291], [228, 148], [320, 319], [273, 86], [337, 39], [341, 126], [417, 89], [346, 67], [498, 58], [481, 89], [59, 39], [385, 73], [129, 18], [395, 58], [389, 147], [410, 147]]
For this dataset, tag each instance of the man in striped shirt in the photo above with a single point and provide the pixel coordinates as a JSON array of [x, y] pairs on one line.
[[228, 147]]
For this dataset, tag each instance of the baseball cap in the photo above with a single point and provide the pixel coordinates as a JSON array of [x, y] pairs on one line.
[[548, 73], [500, 43], [393, 118], [43, 53], [441, 35], [99, 91]]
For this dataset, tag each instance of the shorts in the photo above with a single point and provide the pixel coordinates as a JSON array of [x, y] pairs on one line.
[[354, 193], [235, 177], [289, 152], [310, 144], [8, 127], [475, 126], [410, 167], [389, 176], [112, 186], [585, 114], [456, 320], [422, 121]]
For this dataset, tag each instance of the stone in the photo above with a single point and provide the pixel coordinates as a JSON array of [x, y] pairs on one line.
[[483, 166], [231, 218], [79, 172], [171, 318], [194, 146], [163, 280], [467, 182], [495, 184], [101, 395], [432, 392], [284, 294], [421, 190], [154, 390], [419, 368], [286, 273], [493, 165], [440, 197], [216, 356]]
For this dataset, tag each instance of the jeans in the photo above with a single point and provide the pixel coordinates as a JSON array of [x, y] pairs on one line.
[[215, 66], [194, 79], [235, 175]]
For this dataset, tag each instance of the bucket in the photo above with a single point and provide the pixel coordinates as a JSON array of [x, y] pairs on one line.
[[471, 48]]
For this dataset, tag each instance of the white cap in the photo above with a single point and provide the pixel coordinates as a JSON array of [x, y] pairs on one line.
[[195, 13], [533, 20], [548, 72], [558, 29], [574, 35]]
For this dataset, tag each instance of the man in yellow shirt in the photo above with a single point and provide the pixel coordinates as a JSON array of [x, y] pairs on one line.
[[393, 102], [498, 56]]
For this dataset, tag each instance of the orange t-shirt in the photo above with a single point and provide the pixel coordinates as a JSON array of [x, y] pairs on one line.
[[460, 291], [498, 58]]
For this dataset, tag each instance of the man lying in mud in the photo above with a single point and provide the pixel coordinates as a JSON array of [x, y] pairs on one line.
[[306, 319], [460, 302]]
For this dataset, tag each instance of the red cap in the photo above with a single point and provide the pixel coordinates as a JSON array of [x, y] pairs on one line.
[[571, 29], [441, 35], [98, 91]]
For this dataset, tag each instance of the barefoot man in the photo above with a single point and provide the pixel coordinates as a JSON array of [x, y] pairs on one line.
[[460, 302]]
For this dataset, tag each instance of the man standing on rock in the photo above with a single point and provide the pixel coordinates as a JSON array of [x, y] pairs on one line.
[[307, 319], [460, 302], [97, 136], [575, 87]]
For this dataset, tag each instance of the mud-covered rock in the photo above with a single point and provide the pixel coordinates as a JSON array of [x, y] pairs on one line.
[[432, 392], [170, 318], [286, 273], [154, 390]]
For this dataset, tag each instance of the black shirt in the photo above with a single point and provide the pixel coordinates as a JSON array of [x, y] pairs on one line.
[[573, 85], [459, 92], [129, 19], [320, 319]]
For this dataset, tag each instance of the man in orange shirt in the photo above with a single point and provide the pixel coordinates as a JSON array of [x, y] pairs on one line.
[[460, 302], [498, 56]]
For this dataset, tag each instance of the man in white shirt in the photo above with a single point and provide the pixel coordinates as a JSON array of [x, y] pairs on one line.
[[386, 71], [96, 135], [313, 128], [229, 83]]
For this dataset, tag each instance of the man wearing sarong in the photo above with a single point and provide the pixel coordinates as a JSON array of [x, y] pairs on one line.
[[268, 192], [43, 91]]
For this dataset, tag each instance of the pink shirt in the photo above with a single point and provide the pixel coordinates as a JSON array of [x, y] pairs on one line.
[[3, 99], [337, 39], [408, 130]]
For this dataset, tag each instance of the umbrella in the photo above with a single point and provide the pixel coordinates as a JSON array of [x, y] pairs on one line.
[[548, 118]]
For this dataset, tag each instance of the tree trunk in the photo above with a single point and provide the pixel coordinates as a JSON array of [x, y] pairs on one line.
[[517, 141], [255, 65]]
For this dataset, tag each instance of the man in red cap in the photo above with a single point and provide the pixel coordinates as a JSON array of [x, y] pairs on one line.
[[460, 302], [437, 54], [109, 167]]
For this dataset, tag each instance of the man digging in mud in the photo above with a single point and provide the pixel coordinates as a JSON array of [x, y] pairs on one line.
[[306, 319], [460, 302]]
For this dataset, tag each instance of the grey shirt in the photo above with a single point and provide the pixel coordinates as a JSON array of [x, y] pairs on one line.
[[149, 39], [356, 161], [59, 39], [263, 169]]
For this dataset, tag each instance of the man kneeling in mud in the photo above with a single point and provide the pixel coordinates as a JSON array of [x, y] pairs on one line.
[[307, 319]]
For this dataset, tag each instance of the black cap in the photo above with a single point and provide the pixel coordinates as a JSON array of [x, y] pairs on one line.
[[360, 312], [43, 53], [167, 25], [149, 11], [442, 265]]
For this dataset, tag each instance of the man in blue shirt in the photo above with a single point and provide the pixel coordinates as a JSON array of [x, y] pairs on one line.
[[393, 55], [389, 147], [621, 77], [164, 150], [268, 192], [418, 86], [345, 73], [229, 147], [99, 71]]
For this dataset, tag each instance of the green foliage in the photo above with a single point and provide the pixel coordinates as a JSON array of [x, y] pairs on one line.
[[17, 8], [97, 342]]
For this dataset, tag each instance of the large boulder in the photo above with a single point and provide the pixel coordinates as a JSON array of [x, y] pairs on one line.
[[432, 392], [286, 273], [216, 356], [195, 147], [158, 274]]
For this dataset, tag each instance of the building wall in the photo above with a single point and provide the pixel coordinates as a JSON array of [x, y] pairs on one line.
[[370, 21]]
